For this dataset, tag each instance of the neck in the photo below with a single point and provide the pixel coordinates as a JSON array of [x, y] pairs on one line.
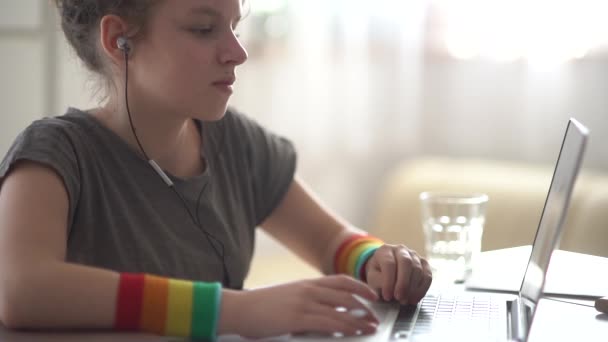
[[172, 141]]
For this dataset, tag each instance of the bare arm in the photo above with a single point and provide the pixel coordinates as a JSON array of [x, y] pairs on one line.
[[313, 232], [37, 287], [307, 227]]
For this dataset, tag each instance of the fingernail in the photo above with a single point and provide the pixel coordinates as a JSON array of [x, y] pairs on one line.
[[358, 313]]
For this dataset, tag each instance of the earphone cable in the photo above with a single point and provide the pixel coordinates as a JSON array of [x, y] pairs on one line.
[[127, 105], [198, 221], [208, 236]]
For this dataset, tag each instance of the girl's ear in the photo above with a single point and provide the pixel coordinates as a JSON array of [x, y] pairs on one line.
[[112, 36]]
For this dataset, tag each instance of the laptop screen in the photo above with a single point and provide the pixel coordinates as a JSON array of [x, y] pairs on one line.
[[554, 213]]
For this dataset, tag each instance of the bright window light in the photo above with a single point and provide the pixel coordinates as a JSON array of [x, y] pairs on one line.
[[267, 6], [544, 32]]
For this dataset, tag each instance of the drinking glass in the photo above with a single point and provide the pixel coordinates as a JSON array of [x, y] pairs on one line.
[[453, 227]]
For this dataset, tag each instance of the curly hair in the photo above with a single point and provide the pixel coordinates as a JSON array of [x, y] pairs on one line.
[[80, 23]]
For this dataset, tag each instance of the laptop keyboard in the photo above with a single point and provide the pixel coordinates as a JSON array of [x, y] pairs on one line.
[[476, 317]]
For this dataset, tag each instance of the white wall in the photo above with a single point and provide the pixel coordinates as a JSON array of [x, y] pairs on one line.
[[22, 49], [40, 75]]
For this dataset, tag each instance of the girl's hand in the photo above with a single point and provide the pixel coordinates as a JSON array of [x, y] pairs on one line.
[[399, 273], [298, 307]]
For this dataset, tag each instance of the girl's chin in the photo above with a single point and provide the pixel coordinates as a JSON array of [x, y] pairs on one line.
[[212, 114]]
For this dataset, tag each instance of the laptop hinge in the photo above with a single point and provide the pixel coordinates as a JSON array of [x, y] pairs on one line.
[[518, 321]]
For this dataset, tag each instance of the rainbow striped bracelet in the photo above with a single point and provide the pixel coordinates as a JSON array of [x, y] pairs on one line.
[[353, 253], [167, 306]]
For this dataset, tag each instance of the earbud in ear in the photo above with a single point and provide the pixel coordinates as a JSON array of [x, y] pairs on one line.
[[123, 44]]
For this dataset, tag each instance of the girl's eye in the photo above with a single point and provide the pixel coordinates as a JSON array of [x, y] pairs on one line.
[[202, 31]]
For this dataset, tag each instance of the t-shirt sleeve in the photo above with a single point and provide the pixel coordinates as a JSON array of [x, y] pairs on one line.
[[272, 163], [47, 143]]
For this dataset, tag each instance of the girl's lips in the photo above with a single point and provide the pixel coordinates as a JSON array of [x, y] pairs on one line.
[[223, 87]]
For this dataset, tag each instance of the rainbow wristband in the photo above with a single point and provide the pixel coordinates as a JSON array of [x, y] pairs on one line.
[[352, 254], [362, 261], [166, 306]]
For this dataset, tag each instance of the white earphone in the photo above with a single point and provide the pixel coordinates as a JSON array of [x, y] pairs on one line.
[[123, 44]]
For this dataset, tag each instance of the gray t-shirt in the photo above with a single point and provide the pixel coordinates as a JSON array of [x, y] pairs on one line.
[[122, 215]]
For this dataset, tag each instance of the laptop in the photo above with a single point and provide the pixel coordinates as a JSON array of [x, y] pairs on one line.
[[485, 316]]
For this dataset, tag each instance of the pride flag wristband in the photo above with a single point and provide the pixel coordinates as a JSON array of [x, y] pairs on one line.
[[166, 306], [353, 253], [362, 261]]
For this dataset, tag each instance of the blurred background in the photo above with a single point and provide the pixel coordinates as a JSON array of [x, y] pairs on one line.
[[361, 86]]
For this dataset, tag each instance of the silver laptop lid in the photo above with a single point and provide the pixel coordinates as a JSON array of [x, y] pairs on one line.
[[553, 216]]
